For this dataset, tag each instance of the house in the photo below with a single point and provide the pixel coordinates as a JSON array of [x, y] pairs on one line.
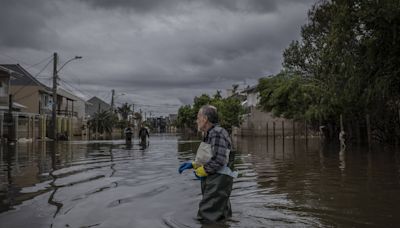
[[6, 76], [252, 96], [96, 104], [70, 104], [28, 91], [36, 96]]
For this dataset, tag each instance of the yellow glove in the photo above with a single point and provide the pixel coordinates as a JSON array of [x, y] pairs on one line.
[[195, 166], [200, 172]]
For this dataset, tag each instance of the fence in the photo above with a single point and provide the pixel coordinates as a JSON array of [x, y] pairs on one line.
[[28, 126]]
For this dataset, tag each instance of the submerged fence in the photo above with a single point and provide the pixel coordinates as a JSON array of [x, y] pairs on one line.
[[351, 129], [283, 128], [28, 126]]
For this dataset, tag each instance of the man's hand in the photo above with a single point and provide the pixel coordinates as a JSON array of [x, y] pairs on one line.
[[185, 166], [200, 172]]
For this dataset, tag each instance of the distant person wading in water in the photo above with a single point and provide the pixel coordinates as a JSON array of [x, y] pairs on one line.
[[143, 135]]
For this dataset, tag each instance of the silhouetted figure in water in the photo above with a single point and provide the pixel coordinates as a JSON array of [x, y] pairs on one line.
[[143, 136], [128, 133]]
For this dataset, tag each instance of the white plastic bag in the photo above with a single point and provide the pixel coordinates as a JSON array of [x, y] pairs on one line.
[[204, 154]]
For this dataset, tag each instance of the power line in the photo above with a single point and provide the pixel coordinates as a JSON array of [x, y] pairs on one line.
[[10, 57], [51, 60], [34, 77], [75, 88], [40, 62]]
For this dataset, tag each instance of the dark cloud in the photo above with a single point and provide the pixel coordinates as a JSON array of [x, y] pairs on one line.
[[145, 6], [23, 24], [148, 6], [136, 5], [155, 51]]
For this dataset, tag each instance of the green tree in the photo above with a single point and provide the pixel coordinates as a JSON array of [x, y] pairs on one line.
[[185, 117], [103, 122], [125, 110], [229, 109], [349, 52]]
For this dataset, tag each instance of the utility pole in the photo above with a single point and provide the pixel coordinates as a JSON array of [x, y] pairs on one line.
[[97, 121], [10, 120], [112, 99], [54, 111]]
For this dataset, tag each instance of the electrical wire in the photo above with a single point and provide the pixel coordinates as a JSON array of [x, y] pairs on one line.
[[19, 90], [75, 88], [40, 62]]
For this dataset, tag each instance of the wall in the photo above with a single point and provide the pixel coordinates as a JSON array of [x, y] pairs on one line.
[[27, 96], [255, 124]]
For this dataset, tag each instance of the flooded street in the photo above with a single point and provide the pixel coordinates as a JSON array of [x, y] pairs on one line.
[[112, 184]]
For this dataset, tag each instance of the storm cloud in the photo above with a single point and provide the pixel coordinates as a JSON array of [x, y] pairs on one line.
[[157, 54]]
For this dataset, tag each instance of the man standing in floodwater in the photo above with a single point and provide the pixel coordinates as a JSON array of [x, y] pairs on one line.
[[216, 181], [143, 135]]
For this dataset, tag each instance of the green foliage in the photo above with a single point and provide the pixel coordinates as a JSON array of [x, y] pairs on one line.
[[185, 117], [295, 97], [229, 110], [347, 62], [103, 122], [122, 124], [125, 110]]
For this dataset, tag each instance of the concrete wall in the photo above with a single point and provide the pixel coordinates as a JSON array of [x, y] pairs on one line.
[[255, 123], [80, 108], [27, 96]]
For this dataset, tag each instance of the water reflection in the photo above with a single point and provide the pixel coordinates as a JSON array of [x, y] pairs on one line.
[[336, 187], [117, 184]]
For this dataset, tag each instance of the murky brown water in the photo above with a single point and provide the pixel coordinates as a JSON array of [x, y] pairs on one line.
[[111, 184]]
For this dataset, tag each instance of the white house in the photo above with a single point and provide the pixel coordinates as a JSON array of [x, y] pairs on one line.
[[252, 96]]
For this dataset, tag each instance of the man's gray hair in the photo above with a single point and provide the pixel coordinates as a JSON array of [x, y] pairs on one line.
[[211, 113]]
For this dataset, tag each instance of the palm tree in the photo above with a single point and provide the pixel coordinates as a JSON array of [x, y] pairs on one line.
[[102, 122], [125, 110]]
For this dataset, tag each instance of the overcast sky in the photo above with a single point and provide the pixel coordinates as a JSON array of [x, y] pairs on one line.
[[157, 54]]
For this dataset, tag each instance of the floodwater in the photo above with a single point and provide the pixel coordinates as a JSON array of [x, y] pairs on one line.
[[112, 184]]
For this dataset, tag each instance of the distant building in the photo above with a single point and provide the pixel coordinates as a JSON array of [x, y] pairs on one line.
[[172, 118], [252, 96], [157, 124], [171, 123], [71, 104], [96, 104]]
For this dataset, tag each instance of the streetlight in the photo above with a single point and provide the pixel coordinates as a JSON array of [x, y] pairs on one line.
[[55, 72], [76, 57]]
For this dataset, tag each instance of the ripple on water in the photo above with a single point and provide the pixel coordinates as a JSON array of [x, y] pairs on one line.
[[110, 184]]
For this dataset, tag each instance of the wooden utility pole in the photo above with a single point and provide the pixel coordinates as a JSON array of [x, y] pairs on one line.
[[97, 121], [10, 121], [54, 110]]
